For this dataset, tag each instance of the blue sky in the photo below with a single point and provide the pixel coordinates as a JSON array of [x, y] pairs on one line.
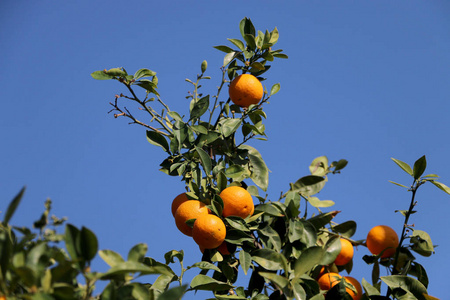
[[365, 81]]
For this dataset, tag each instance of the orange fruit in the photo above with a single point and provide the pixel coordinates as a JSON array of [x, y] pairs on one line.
[[191, 209], [357, 285], [245, 90], [237, 202], [209, 231], [223, 249], [381, 238], [177, 202], [328, 280], [346, 254]]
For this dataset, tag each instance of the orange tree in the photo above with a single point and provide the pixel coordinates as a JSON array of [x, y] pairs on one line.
[[286, 251]]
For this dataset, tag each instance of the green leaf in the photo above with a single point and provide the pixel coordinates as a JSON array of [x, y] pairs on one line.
[[88, 244], [419, 167], [174, 115], [225, 49], [246, 27], [268, 209], [441, 186], [314, 201], [157, 139], [234, 171], [119, 72], [204, 265], [405, 167], [258, 66], [148, 85], [346, 229], [175, 293], [143, 73], [206, 283], [369, 289], [6, 251], [199, 129], [229, 57], [269, 259], [308, 259], [407, 284], [200, 107], [169, 256], [398, 184], [274, 36], [422, 243], [332, 249], [245, 260], [110, 257], [270, 238], [229, 126], [319, 166], [101, 75], [205, 159], [238, 237], [251, 43], [137, 253], [133, 267], [280, 55], [275, 89], [321, 220], [71, 236], [280, 281], [237, 223], [260, 172], [13, 206], [238, 43], [308, 185]]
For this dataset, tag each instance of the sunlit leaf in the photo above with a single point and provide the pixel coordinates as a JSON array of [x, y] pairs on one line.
[[101, 75], [238, 43], [441, 186], [405, 167], [143, 73], [206, 283], [275, 89], [225, 49]]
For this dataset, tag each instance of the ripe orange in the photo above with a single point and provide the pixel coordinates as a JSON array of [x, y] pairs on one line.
[[346, 254], [209, 231], [328, 280], [237, 202], [357, 285], [245, 90], [381, 238], [177, 202], [191, 209]]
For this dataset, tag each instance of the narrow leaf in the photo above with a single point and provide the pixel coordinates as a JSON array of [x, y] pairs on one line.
[[205, 159], [13, 206], [238, 43], [441, 186]]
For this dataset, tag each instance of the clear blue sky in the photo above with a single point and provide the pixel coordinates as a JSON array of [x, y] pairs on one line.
[[365, 81]]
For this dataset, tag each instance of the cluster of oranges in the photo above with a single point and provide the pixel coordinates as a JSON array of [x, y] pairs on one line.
[[381, 240], [209, 230]]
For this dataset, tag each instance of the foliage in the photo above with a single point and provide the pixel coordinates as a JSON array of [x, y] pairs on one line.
[[282, 247]]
